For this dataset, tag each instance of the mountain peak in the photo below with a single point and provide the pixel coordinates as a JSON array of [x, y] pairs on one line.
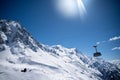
[[12, 32]]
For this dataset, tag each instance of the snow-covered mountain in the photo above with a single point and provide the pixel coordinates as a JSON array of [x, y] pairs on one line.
[[19, 50], [116, 62]]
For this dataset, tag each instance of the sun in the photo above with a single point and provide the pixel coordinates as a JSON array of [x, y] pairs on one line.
[[71, 8]]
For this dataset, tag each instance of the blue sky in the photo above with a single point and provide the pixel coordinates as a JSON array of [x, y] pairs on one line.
[[40, 17]]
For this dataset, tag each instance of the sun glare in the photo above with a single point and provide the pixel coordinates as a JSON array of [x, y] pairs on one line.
[[67, 8], [70, 8], [81, 8]]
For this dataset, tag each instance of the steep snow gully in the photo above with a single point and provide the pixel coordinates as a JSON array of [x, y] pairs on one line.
[[24, 58]]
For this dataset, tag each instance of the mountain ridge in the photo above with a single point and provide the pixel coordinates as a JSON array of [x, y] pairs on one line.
[[19, 50]]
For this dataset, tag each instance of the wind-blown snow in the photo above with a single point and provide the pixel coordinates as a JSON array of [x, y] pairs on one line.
[[19, 50]]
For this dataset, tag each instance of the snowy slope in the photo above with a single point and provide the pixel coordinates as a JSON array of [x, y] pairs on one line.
[[116, 62], [19, 50]]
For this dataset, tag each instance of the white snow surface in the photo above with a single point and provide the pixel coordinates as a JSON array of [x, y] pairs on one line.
[[41, 61], [43, 66], [116, 62]]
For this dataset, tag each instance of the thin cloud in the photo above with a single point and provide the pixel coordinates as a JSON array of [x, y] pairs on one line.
[[114, 38], [97, 43], [111, 39], [115, 48], [100, 42]]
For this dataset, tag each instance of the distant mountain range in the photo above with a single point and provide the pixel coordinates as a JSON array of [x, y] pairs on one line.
[[24, 58]]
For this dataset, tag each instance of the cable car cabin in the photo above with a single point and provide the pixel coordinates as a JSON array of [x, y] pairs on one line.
[[97, 54]]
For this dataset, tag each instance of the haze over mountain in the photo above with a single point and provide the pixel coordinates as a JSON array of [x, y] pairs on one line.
[[24, 58]]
